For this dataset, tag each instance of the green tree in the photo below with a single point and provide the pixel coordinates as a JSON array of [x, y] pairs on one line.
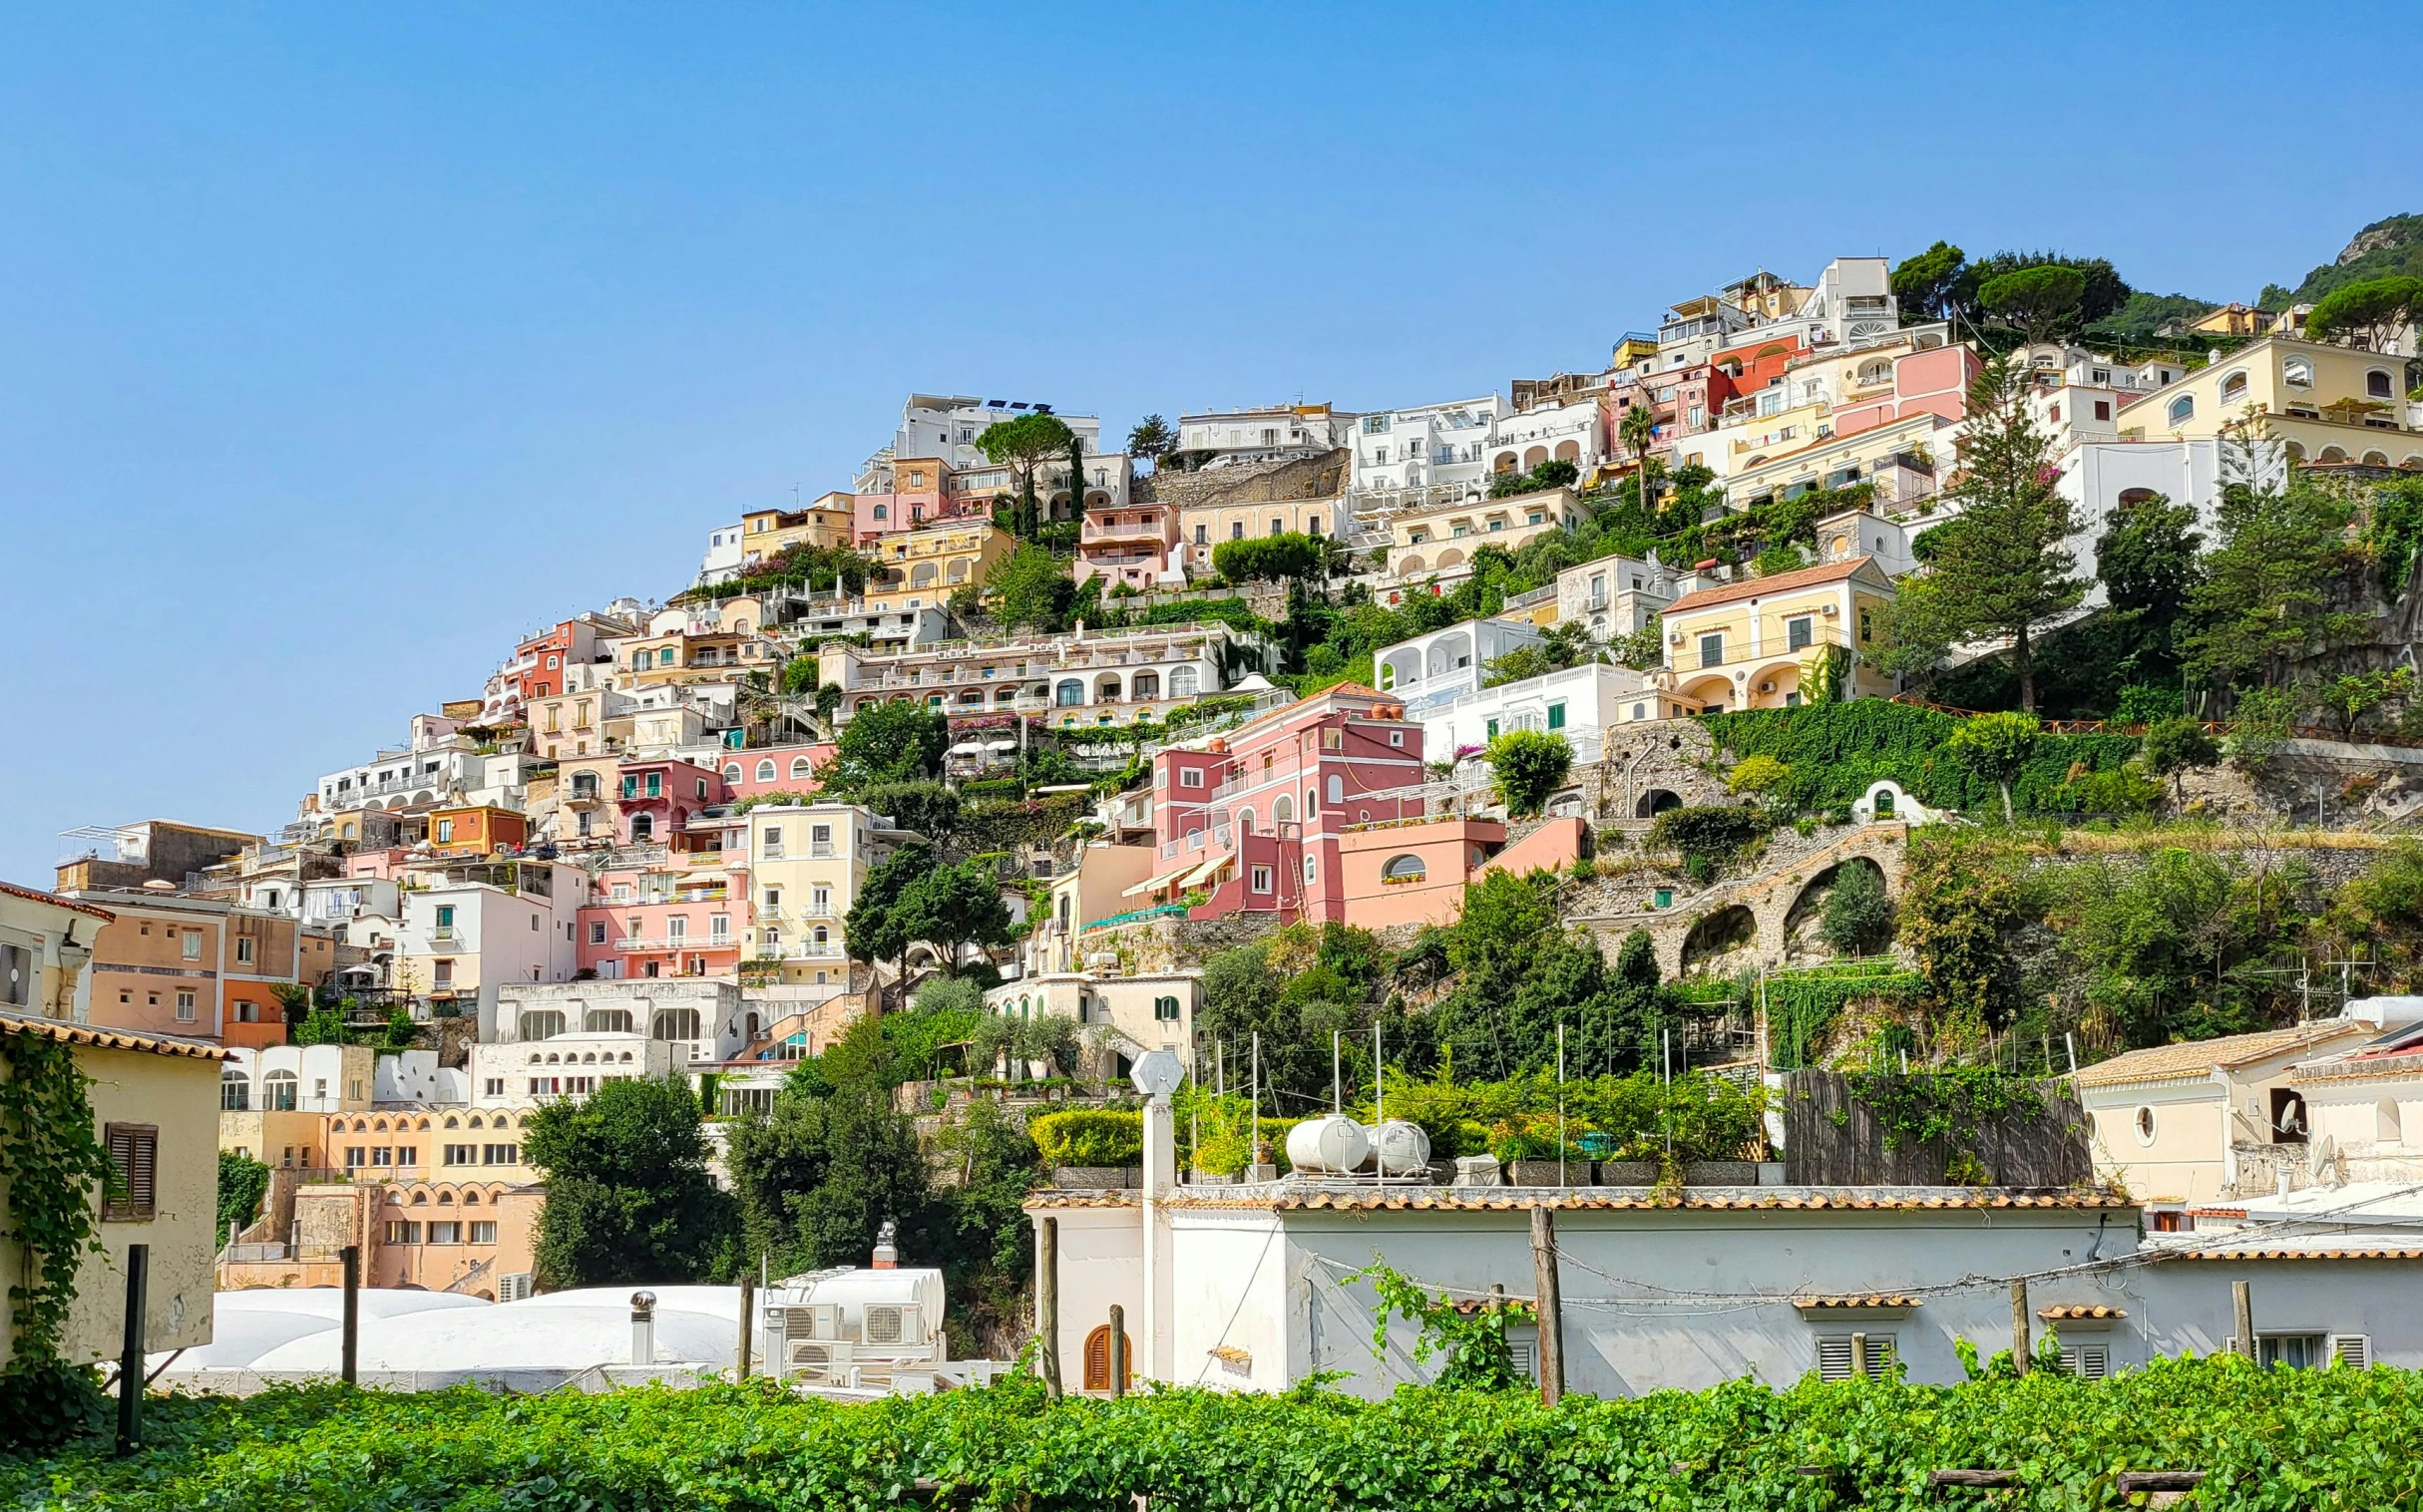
[[2376, 310], [1996, 748], [1022, 445], [1526, 766], [888, 743], [1859, 916], [1932, 285], [2103, 293], [1152, 439], [1030, 590], [2350, 696], [930, 809], [953, 907], [242, 1183], [2175, 747], [1957, 913], [2042, 302], [877, 925], [2271, 590], [1638, 429], [2147, 559], [2000, 568], [629, 1197]]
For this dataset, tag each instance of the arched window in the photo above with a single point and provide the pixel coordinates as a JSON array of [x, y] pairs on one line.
[[1069, 693], [765, 770], [1146, 686], [676, 1023], [445, 1198], [2388, 1125], [2297, 373], [1337, 789], [277, 1091], [1182, 682], [2233, 387], [801, 766], [883, 512], [1407, 868], [643, 828], [1876, 372], [2182, 409], [2378, 385], [475, 1121], [1165, 1009], [1097, 1358], [235, 1091], [1245, 821], [1283, 810], [822, 937], [731, 771]]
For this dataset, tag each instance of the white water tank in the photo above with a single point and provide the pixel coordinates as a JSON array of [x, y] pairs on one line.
[[1332, 1144], [1404, 1150]]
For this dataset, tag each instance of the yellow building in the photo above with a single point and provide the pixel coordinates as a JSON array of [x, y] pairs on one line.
[[155, 1102], [806, 865], [925, 566], [2326, 404], [1440, 540], [686, 656], [1752, 644], [828, 521]]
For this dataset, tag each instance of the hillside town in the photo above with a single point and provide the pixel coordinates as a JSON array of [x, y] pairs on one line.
[[1877, 823]]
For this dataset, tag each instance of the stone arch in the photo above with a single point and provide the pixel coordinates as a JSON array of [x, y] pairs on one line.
[[1718, 934], [1655, 802], [1569, 451], [1801, 921], [1534, 457]]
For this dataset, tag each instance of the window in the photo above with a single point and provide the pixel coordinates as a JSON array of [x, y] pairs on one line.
[[820, 840], [2087, 1361], [234, 1092], [484, 1233], [1407, 868], [720, 926], [2297, 372], [596, 932], [1337, 789], [2182, 409], [510, 1154], [135, 1150], [277, 1091], [1799, 632], [1191, 777], [185, 1008], [446, 1232], [770, 840], [2292, 1352], [655, 783], [1712, 650], [1165, 1009], [1842, 1355], [1312, 869], [441, 973], [244, 949], [2377, 385], [193, 945], [2233, 387], [2103, 409], [801, 767], [1396, 738], [1262, 878], [2145, 1126], [403, 1231], [820, 901], [1556, 716], [445, 918], [461, 1154], [1236, 530]]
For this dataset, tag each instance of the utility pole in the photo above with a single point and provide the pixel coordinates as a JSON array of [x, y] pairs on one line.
[[2019, 1326], [1549, 1307], [1047, 1303]]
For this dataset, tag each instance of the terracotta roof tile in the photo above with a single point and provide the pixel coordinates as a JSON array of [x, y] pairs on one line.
[[1871, 1299], [38, 896], [1780, 582], [2079, 1314], [109, 1039], [2201, 1057]]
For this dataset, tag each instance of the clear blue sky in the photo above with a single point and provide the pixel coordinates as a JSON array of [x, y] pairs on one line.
[[341, 345]]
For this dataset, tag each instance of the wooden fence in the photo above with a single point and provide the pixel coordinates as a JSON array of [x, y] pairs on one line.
[[1831, 1138]]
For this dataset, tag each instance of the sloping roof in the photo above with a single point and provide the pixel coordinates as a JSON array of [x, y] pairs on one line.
[[109, 1039], [1755, 587], [36, 895], [2201, 1057], [1292, 1199], [2077, 1314], [1877, 1301]]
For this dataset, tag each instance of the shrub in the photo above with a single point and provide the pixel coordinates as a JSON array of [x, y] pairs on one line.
[[1526, 766], [1835, 751], [1707, 837], [1757, 774], [1089, 1137]]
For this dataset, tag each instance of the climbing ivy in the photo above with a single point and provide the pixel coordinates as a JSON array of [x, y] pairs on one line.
[[51, 1162], [1947, 1103], [1474, 1339]]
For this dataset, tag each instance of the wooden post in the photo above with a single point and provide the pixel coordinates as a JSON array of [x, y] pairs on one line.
[[353, 1311], [2242, 1300], [1858, 1354], [129, 1355], [2019, 1326], [1118, 1352], [1551, 1308], [1048, 1303], [748, 1325]]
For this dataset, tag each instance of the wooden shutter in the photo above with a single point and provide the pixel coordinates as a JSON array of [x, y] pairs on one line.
[[1833, 1357], [135, 1150], [2087, 1361], [1097, 1359]]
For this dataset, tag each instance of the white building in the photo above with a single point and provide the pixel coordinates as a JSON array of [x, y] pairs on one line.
[[519, 1072], [1432, 448], [1579, 704], [946, 426], [437, 766], [462, 937], [1128, 1012], [1435, 669], [1613, 596], [697, 1018], [1272, 433], [724, 554], [1081, 678]]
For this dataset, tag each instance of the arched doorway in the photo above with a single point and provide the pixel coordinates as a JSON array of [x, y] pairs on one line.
[[1722, 932], [1097, 1359], [1655, 802]]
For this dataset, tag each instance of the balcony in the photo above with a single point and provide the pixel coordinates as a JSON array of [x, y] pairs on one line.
[[1154, 532]]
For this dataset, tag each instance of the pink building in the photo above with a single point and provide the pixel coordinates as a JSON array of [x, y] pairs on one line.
[[1935, 381], [1132, 544], [664, 924], [656, 800], [775, 769], [1254, 819]]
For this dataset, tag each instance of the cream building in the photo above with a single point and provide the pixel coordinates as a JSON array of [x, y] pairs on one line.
[[1752, 643], [806, 865], [1127, 1012], [2324, 404], [1439, 541], [1081, 678], [925, 566]]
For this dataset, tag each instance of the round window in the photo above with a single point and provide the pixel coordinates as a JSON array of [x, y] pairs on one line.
[[2145, 1126]]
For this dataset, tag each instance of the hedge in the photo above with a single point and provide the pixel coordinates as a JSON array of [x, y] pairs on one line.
[[1836, 751], [1089, 1137], [2335, 1438]]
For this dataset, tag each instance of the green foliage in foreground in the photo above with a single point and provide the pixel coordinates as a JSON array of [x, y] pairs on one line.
[[2282, 1439]]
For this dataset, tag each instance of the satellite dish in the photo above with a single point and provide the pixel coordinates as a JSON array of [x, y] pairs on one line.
[[2325, 1164]]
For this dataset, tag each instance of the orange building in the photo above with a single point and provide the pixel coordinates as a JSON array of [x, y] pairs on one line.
[[198, 968], [476, 829]]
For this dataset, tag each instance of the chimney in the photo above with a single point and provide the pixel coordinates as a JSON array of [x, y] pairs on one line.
[[887, 1252], [643, 1328]]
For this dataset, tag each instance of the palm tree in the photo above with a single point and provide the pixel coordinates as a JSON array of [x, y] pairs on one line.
[[1638, 429]]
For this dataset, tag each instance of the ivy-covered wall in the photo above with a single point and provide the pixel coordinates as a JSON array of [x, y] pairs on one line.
[[1835, 751]]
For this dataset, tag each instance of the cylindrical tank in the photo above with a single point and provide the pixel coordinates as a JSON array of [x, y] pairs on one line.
[[1330, 1145], [1404, 1150]]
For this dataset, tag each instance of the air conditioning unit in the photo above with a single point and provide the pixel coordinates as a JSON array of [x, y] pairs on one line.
[[516, 1286], [819, 1356], [893, 1324], [816, 1320]]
